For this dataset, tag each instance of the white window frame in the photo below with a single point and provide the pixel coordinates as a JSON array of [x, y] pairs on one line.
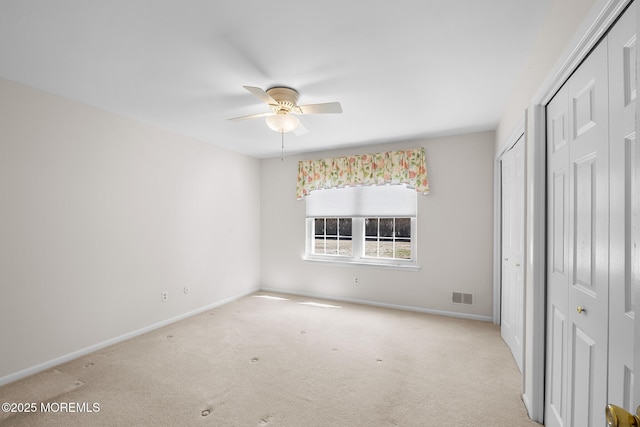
[[358, 241], [360, 203]]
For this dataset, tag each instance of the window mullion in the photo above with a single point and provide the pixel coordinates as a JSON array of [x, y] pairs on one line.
[[378, 240], [324, 236], [338, 236], [393, 239], [357, 237]]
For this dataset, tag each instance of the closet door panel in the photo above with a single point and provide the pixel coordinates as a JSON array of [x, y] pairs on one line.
[[588, 295], [584, 364], [557, 259], [623, 166]]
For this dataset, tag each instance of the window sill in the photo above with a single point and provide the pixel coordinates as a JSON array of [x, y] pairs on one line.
[[344, 263]]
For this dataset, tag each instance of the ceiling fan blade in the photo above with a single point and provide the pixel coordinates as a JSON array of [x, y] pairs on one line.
[[329, 107], [301, 130], [260, 93], [253, 116]]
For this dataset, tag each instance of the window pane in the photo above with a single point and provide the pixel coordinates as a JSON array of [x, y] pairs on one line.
[[345, 226], [403, 227], [371, 227], [332, 226], [386, 248], [403, 250], [331, 247], [386, 227], [318, 231], [371, 247], [319, 226], [346, 248]]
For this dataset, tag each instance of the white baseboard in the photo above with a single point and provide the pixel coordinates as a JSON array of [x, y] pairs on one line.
[[385, 305], [82, 352]]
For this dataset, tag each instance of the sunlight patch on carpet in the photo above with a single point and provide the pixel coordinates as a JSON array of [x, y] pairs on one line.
[[316, 304], [271, 297]]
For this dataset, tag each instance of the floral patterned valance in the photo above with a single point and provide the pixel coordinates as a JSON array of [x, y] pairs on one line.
[[392, 167]]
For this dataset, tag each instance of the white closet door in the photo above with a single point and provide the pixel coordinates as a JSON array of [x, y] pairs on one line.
[[557, 259], [588, 308], [512, 277], [578, 247], [623, 160]]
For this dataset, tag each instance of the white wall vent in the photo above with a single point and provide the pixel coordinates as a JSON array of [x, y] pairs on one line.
[[462, 298]]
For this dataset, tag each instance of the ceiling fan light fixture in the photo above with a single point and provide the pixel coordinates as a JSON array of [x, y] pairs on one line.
[[282, 123]]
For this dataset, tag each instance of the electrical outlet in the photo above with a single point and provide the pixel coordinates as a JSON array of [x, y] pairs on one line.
[[165, 296], [356, 281]]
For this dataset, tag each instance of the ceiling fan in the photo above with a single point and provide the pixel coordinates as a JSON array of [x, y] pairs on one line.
[[283, 102]]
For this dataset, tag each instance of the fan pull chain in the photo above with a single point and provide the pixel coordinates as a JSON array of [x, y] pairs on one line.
[[282, 139]]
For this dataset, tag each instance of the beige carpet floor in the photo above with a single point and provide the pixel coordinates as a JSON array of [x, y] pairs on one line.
[[295, 361]]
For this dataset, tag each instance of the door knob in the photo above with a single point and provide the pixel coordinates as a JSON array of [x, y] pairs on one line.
[[618, 417], [517, 264], [506, 259], [581, 310]]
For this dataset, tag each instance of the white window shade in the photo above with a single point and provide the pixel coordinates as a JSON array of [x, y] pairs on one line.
[[366, 201]]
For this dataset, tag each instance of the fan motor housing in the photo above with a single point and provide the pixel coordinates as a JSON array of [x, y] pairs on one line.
[[286, 97]]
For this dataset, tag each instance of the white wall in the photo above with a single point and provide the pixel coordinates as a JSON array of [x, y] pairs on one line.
[[454, 233], [559, 28], [99, 214]]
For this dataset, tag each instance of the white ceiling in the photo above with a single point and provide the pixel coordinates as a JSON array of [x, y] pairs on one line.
[[401, 69]]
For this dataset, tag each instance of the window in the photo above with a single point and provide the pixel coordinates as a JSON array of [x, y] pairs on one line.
[[387, 238], [332, 236], [365, 225]]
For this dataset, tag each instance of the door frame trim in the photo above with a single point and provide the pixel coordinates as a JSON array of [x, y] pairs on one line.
[[601, 17], [636, 347]]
